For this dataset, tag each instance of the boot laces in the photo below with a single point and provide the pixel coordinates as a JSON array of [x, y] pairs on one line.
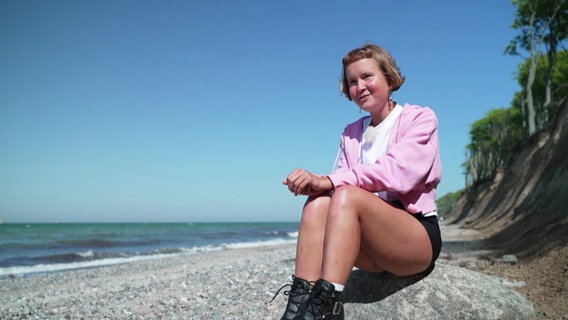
[[286, 293], [319, 301], [321, 297], [293, 286]]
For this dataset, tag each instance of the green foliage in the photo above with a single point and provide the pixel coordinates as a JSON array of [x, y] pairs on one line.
[[447, 202], [543, 26], [559, 87], [492, 139], [539, 19]]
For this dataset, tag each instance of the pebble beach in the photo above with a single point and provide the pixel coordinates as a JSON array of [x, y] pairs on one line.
[[229, 284]]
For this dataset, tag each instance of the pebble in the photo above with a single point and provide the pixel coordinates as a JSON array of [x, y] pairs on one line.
[[510, 258]]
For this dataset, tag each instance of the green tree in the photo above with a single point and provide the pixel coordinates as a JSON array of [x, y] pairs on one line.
[[544, 26], [492, 139], [447, 203], [558, 84]]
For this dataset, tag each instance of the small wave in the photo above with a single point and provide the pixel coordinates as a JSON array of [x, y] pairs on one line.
[[253, 244], [89, 243], [87, 254], [293, 234], [76, 257], [282, 233], [44, 268]]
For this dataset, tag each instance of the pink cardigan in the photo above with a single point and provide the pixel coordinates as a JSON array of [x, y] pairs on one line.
[[411, 169]]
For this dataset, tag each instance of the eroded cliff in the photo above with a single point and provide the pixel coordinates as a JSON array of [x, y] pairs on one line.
[[524, 209]]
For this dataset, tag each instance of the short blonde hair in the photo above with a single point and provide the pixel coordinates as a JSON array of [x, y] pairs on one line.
[[386, 63]]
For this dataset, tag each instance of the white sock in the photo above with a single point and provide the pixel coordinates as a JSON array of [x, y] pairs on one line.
[[338, 287]]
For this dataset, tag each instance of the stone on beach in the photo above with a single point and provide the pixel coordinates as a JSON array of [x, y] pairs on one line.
[[447, 293]]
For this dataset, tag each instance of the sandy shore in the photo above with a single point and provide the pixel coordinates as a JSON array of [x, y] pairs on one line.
[[230, 284]]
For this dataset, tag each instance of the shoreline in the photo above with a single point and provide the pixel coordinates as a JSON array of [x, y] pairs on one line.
[[22, 271]]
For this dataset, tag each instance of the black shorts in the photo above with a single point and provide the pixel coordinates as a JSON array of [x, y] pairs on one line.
[[433, 230]]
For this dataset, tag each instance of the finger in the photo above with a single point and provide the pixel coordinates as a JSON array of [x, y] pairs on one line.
[[294, 174], [290, 177], [294, 180], [302, 185]]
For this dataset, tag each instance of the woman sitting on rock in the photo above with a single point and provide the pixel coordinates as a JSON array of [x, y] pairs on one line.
[[376, 211]]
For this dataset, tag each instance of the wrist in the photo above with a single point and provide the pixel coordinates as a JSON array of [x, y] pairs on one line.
[[329, 183]]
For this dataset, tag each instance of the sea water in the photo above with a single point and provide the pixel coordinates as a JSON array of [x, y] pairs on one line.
[[33, 248]]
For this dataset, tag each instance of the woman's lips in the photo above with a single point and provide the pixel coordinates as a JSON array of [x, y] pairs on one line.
[[364, 97]]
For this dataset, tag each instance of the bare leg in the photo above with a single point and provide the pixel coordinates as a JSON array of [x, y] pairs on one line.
[[365, 263], [362, 226], [309, 249]]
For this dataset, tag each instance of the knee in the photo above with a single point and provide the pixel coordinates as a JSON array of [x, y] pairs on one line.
[[343, 196], [315, 211], [343, 203]]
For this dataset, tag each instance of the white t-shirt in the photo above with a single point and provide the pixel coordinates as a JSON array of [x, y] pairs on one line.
[[375, 140], [374, 145]]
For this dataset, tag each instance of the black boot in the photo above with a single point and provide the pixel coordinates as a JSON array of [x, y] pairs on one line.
[[323, 303], [297, 295]]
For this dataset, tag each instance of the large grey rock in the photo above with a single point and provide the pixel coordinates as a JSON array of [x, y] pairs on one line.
[[446, 293]]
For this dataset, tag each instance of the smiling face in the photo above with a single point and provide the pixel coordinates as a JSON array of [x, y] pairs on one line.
[[368, 87]]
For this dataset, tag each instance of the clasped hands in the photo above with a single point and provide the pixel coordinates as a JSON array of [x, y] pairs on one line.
[[302, 182]]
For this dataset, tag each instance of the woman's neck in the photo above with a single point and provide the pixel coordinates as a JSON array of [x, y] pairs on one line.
[[376, 119]]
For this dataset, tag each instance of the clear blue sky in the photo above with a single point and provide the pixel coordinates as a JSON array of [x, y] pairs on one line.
[[150, 111]]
